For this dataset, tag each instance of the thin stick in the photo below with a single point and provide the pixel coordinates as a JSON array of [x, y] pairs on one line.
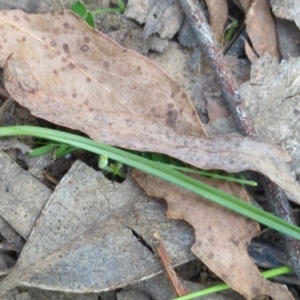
[[165, 260], [276, 197]]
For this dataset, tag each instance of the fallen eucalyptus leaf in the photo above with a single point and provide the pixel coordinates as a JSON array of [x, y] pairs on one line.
[[118, 97]]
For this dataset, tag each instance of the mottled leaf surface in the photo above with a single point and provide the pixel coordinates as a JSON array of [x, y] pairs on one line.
[[76, 77]]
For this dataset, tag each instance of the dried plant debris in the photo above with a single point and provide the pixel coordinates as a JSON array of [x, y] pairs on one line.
[[220, 239], [288, 9], [218, 11], [272, 98], [260, 27], [22, 196], [75, 246], [162, 17], [127, 95]]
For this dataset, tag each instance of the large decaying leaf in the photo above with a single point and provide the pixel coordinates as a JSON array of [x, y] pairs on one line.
[[217, 229], [86, 237], [74, 76]]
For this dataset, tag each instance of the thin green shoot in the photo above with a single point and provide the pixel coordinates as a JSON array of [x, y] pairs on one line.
[[161, 171], [113, 168], [223, 286], [214, 175], [58, 150], [89, 16], [229, 30]]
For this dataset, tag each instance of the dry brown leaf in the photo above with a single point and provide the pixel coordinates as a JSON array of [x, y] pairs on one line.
[[217, 230], [261, 27], [76, 77], [250, 53], [218, 11], [215, 110]]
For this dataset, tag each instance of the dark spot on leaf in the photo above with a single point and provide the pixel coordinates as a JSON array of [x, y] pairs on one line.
[[106, 64], [74, 95], [172, 116], [224, 277], [86, 102], [5, 40], [210, 256], [235, 242], [53, 44], [170, 105], [86, 39], [193, 113], [84, 48], [23, 39], [209, 227], [16, 18], [67, 25], [71, 66], [138, 69], [255, 290], [43, 38], [56, 30], [64, 60], [26, 18], [88, 79], [66, 48], [54, 72], [183, 95]]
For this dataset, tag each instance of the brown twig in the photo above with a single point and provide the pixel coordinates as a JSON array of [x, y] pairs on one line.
[[276, 197], [165, 260]]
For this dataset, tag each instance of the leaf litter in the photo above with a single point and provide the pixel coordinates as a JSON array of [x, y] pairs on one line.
[[104, 104], [85, 239], [159, 112]]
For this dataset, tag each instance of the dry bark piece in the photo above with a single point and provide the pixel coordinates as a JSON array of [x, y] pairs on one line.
[[218, 11], [75, 246], [261, 27], [125, 95], [211, 242]]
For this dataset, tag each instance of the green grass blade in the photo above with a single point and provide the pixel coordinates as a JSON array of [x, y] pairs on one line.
[[223, 286], [161, 171]]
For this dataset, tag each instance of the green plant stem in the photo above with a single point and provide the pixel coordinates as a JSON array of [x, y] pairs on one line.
[[212, 175], [156, 169], [221, 287]]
